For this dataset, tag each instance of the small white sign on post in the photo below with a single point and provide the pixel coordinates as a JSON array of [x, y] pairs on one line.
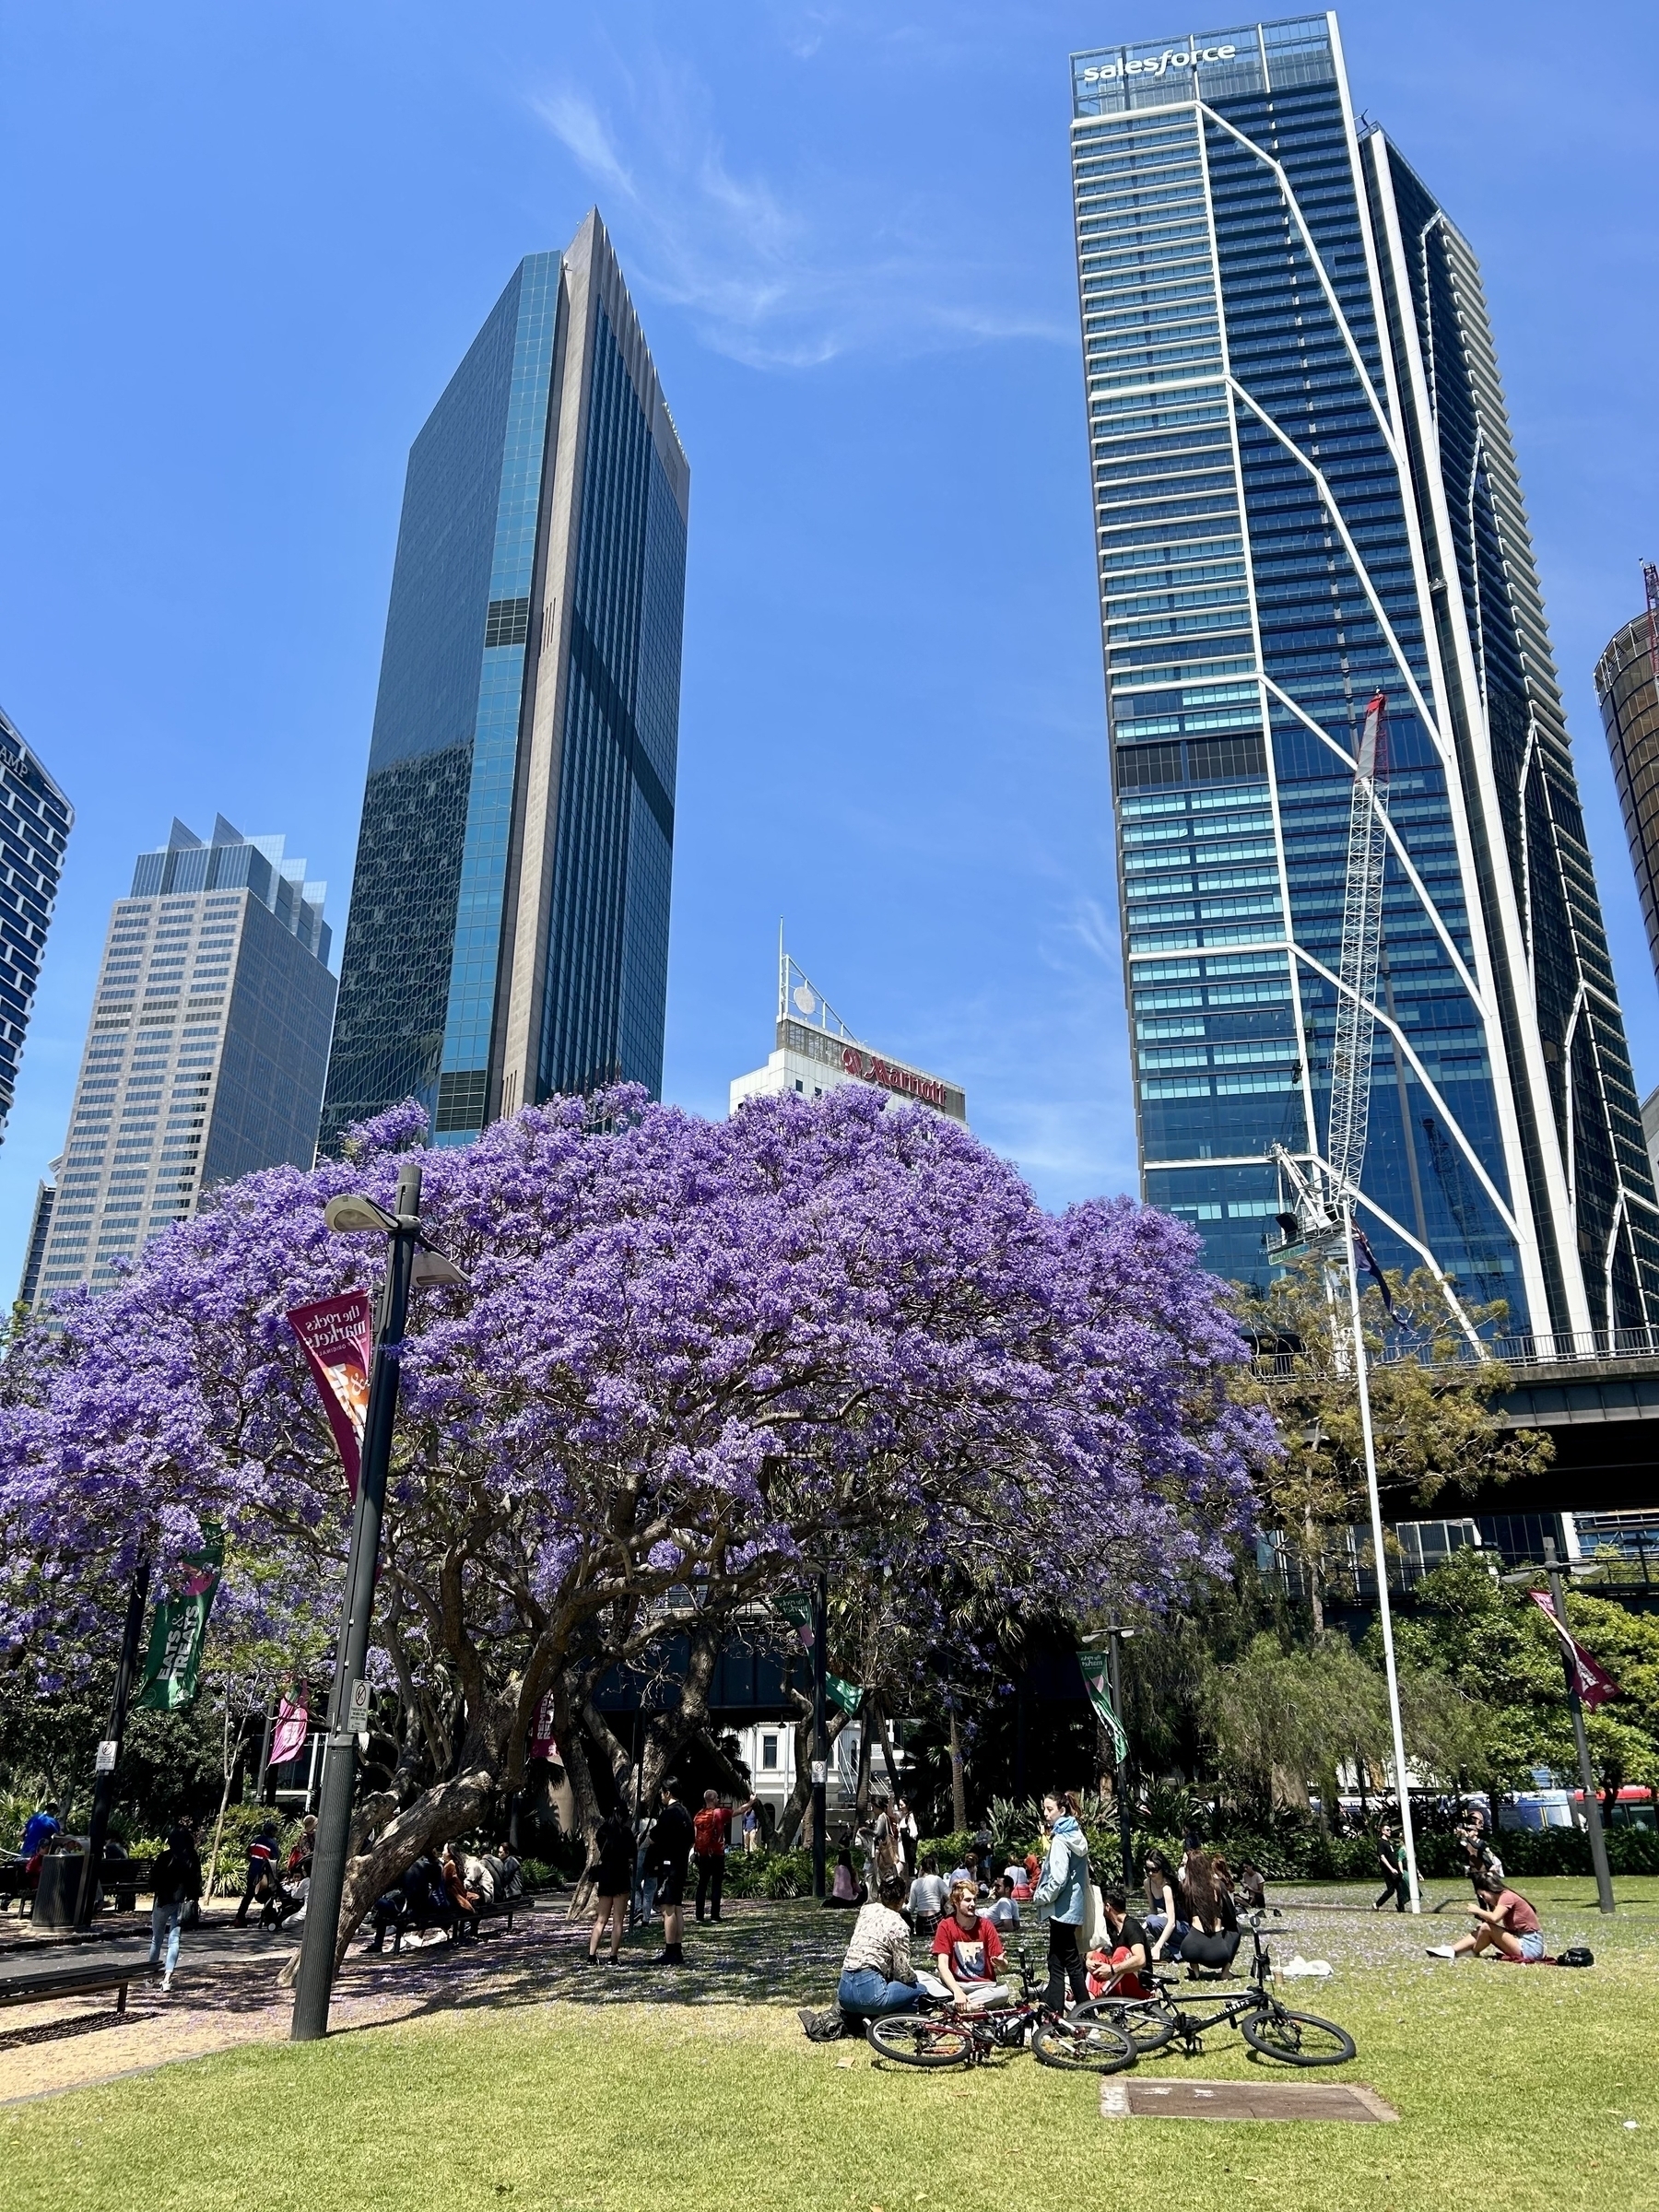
[[357, 1717], [105, 1762]]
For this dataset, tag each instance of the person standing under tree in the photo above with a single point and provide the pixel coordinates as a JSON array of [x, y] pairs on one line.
[[709, 1840], [1064, 1889], [1391, 1868], [176, 1880], [671, 1841], [613, 1864]]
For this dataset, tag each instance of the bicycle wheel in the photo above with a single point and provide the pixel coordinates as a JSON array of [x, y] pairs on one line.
[[1296, 2038], [1094, 2046], [914, 2039], [1147, 2022]]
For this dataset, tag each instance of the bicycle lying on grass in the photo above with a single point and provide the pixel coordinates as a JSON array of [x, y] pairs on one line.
[[942, 2033], [1294, 2038]]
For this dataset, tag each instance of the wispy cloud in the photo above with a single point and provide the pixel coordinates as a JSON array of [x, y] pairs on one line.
[[774, 277]]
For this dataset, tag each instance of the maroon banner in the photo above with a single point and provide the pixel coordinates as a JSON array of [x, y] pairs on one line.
[[1595, 1685], [338, 1337], [288, 1738]]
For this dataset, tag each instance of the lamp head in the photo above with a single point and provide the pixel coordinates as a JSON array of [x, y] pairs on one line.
[[353, 1211], [431, 1268]]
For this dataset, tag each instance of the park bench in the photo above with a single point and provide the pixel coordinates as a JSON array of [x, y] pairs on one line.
[[16, 1881], [74, 1978]]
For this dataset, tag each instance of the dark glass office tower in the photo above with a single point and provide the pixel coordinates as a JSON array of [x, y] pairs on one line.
[[1626, 685], [509, 928], [35, 822], [1306, 492]]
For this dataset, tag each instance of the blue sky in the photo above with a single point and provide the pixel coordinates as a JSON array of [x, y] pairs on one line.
[[244, 249]]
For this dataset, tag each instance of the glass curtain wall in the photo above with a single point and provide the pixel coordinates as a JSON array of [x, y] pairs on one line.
[[1261, 510]]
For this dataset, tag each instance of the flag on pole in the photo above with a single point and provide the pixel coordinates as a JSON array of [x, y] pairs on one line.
[[293, 1725], [1595, 1685], [179, 1627], [1095, 1681], [1367, 1260], [337, 1335]]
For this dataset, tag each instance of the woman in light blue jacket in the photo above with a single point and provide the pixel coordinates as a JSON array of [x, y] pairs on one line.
[[1064, 1889]]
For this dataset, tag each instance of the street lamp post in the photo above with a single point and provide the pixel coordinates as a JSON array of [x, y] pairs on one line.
[[1384, 1615], [109, 1751], [820, 1729], [349, 1704], [1114, 1675]]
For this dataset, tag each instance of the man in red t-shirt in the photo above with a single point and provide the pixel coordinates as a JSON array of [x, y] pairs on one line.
[[967, 1949], [709, 1843], [1508, 1925]]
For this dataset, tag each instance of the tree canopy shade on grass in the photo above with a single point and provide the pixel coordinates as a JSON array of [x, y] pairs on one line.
[[694, 1363]]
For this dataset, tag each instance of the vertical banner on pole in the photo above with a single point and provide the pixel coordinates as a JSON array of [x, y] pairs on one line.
[[293, 1723], [1093, 1665], [337, 1335], [179, 1627], [1595, 1685]]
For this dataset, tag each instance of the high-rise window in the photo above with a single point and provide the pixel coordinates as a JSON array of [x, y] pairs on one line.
[[1306, 493], [509, 928]]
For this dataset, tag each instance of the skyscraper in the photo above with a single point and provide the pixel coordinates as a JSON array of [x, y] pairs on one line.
[[1305, 493], [35, 822], [509, 928], [207, 1050], [1627, 687]]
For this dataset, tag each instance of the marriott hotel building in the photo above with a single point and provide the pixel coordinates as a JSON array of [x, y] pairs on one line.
[[1306, 492]]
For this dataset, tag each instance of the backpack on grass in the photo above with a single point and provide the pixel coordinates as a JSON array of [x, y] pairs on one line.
[[1576, 1955]]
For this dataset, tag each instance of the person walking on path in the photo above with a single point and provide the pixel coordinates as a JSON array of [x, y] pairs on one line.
[[176, 1879], [1392, 1870], [261, 1879], [613, 1866], [751, 1826], [709, 1840], [1064, 1889], [671, 1841]]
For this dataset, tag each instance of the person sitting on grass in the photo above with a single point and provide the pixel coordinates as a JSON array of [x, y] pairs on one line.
[[1211, 1941], [847, 1893], [1002, 1911], [966, 1948], [1250, 1889], [876, 1977], [1508, 1926], [929, 1895], [1119, 1965]]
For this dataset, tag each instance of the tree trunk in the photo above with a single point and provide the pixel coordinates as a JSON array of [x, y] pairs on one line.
[[861, 1791], [886, 1751], [958, 1780], [1315, 1572]]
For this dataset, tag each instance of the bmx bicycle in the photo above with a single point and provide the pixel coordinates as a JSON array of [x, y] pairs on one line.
[[1268, 2026], [942, 2033]]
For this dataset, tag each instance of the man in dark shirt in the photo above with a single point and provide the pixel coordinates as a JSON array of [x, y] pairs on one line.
[[1124, 1949], [671, 1841]]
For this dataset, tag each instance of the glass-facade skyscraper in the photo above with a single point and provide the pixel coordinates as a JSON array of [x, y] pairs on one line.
[[35, 822], [1305, 493], [205, 1052], [507, 936]]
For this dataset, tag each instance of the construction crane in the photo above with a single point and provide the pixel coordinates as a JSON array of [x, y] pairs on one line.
[[1318, 1196]]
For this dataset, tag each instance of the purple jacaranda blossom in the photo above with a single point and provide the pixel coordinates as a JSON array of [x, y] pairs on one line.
[[693, 1363]]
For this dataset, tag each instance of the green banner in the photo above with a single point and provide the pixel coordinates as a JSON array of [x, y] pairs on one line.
[[1095, 1681], [179, 1628], [843, 1694]]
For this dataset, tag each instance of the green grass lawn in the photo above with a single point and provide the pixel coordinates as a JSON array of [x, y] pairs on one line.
[[1515, 2088]]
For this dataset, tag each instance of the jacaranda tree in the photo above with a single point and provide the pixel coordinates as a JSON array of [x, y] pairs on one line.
[[692, 1363]]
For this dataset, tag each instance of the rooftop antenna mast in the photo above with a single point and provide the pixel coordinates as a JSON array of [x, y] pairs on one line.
[[799, 999], [1650, 577]]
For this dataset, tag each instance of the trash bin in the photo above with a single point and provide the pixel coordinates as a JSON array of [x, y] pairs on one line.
[[59, 1892]]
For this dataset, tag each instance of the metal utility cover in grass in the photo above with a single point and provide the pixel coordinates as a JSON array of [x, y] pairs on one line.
[[1241, 2100]]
